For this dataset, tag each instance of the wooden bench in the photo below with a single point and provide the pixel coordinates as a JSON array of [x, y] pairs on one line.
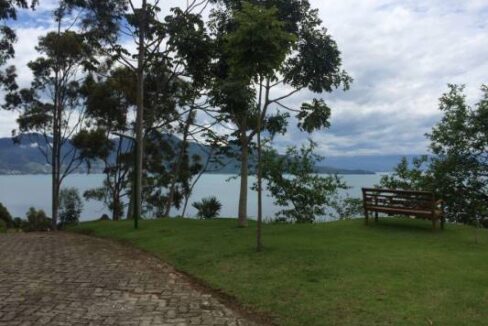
[[421, 204]]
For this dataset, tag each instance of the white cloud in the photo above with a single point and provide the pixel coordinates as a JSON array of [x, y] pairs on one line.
[[402, 55]]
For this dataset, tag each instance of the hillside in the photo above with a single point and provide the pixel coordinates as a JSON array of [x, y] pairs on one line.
[[396, 272]]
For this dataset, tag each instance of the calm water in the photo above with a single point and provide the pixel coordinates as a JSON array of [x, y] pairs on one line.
[[18, 193]]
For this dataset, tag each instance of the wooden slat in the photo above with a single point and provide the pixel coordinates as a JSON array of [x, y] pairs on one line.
[[397, 191], [399, 210]]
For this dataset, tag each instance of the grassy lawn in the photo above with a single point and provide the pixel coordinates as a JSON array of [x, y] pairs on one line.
[[396, 272]]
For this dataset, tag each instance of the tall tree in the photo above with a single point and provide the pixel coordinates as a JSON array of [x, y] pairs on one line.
[[459, 143], [457, 170], [313, 63], [108, 103], [173, 49], [256, 49], [52, 104]]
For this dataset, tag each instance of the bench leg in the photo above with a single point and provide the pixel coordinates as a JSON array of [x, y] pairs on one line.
[[376, 217], [366, 217]]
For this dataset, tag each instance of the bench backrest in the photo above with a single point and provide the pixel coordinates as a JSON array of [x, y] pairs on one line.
[[405, 199]]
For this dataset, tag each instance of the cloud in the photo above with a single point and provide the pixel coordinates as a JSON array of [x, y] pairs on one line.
[[402, 54]]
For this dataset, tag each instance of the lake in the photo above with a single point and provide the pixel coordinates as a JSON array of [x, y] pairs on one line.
[[18, 193]]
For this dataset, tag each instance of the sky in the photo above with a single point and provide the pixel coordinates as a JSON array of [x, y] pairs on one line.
[[401, 54]]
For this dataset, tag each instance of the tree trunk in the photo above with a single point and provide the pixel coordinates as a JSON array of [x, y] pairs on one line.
[[188, 195], [55, 185], [140, 117], [242, 221], [259, 174], [116, 206], [56, 150], [130, 208]]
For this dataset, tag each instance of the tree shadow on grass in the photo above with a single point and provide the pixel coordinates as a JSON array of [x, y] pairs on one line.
[[403, 224]]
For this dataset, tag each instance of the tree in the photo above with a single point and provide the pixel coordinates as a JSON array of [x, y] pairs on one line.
[[37, 221], [174, 50], [108, 101], [51, 106], [255, 50], [309, 60], [457, 171], [410, 175], [459, 143], [70, 207], [5, 216], [294, 184]]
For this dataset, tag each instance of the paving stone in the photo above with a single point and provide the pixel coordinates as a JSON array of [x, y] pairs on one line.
[[61, 279]]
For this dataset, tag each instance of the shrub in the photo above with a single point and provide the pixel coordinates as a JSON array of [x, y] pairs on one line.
[[5, 216], [37, 221], [18, 223], [294, 185], [70, 207], [208, 208], [3, 226], [347, 207], [104, 217]]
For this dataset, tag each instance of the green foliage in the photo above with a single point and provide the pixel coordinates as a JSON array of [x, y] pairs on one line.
[[18, 223], [460, 145], [37, 221], [5, 216], [3, 226], [347, 207], [458, 170], [259, 44], [8, 11], [208, 208], [70, 206], [408, 176], [293, 184], [93, 144], [314, 116]]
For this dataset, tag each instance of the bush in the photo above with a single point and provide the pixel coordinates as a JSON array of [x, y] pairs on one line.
[[18, 223], [3, 226], [104, 217], [294, 185], [5, 217], [37, 221], [347, 207], [208, 208], [70, 207]]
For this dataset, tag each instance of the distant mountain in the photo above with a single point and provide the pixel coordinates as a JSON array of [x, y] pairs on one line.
[[26, 158], [375, 163], [332, 170]]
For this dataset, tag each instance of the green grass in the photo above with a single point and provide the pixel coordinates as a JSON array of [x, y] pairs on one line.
[[396, 272]]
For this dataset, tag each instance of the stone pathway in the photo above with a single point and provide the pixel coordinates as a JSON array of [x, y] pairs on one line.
[[68, 279]]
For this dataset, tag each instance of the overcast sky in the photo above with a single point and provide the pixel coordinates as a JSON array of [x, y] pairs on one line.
[[401, 54]]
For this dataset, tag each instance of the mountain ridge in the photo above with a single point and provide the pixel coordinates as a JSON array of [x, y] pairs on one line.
[[25, 157]]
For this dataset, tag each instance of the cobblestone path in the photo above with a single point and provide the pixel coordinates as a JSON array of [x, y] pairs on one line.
[[68, 279]]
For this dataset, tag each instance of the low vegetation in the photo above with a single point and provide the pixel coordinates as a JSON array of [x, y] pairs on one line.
[[208, 207], [395, 272]]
